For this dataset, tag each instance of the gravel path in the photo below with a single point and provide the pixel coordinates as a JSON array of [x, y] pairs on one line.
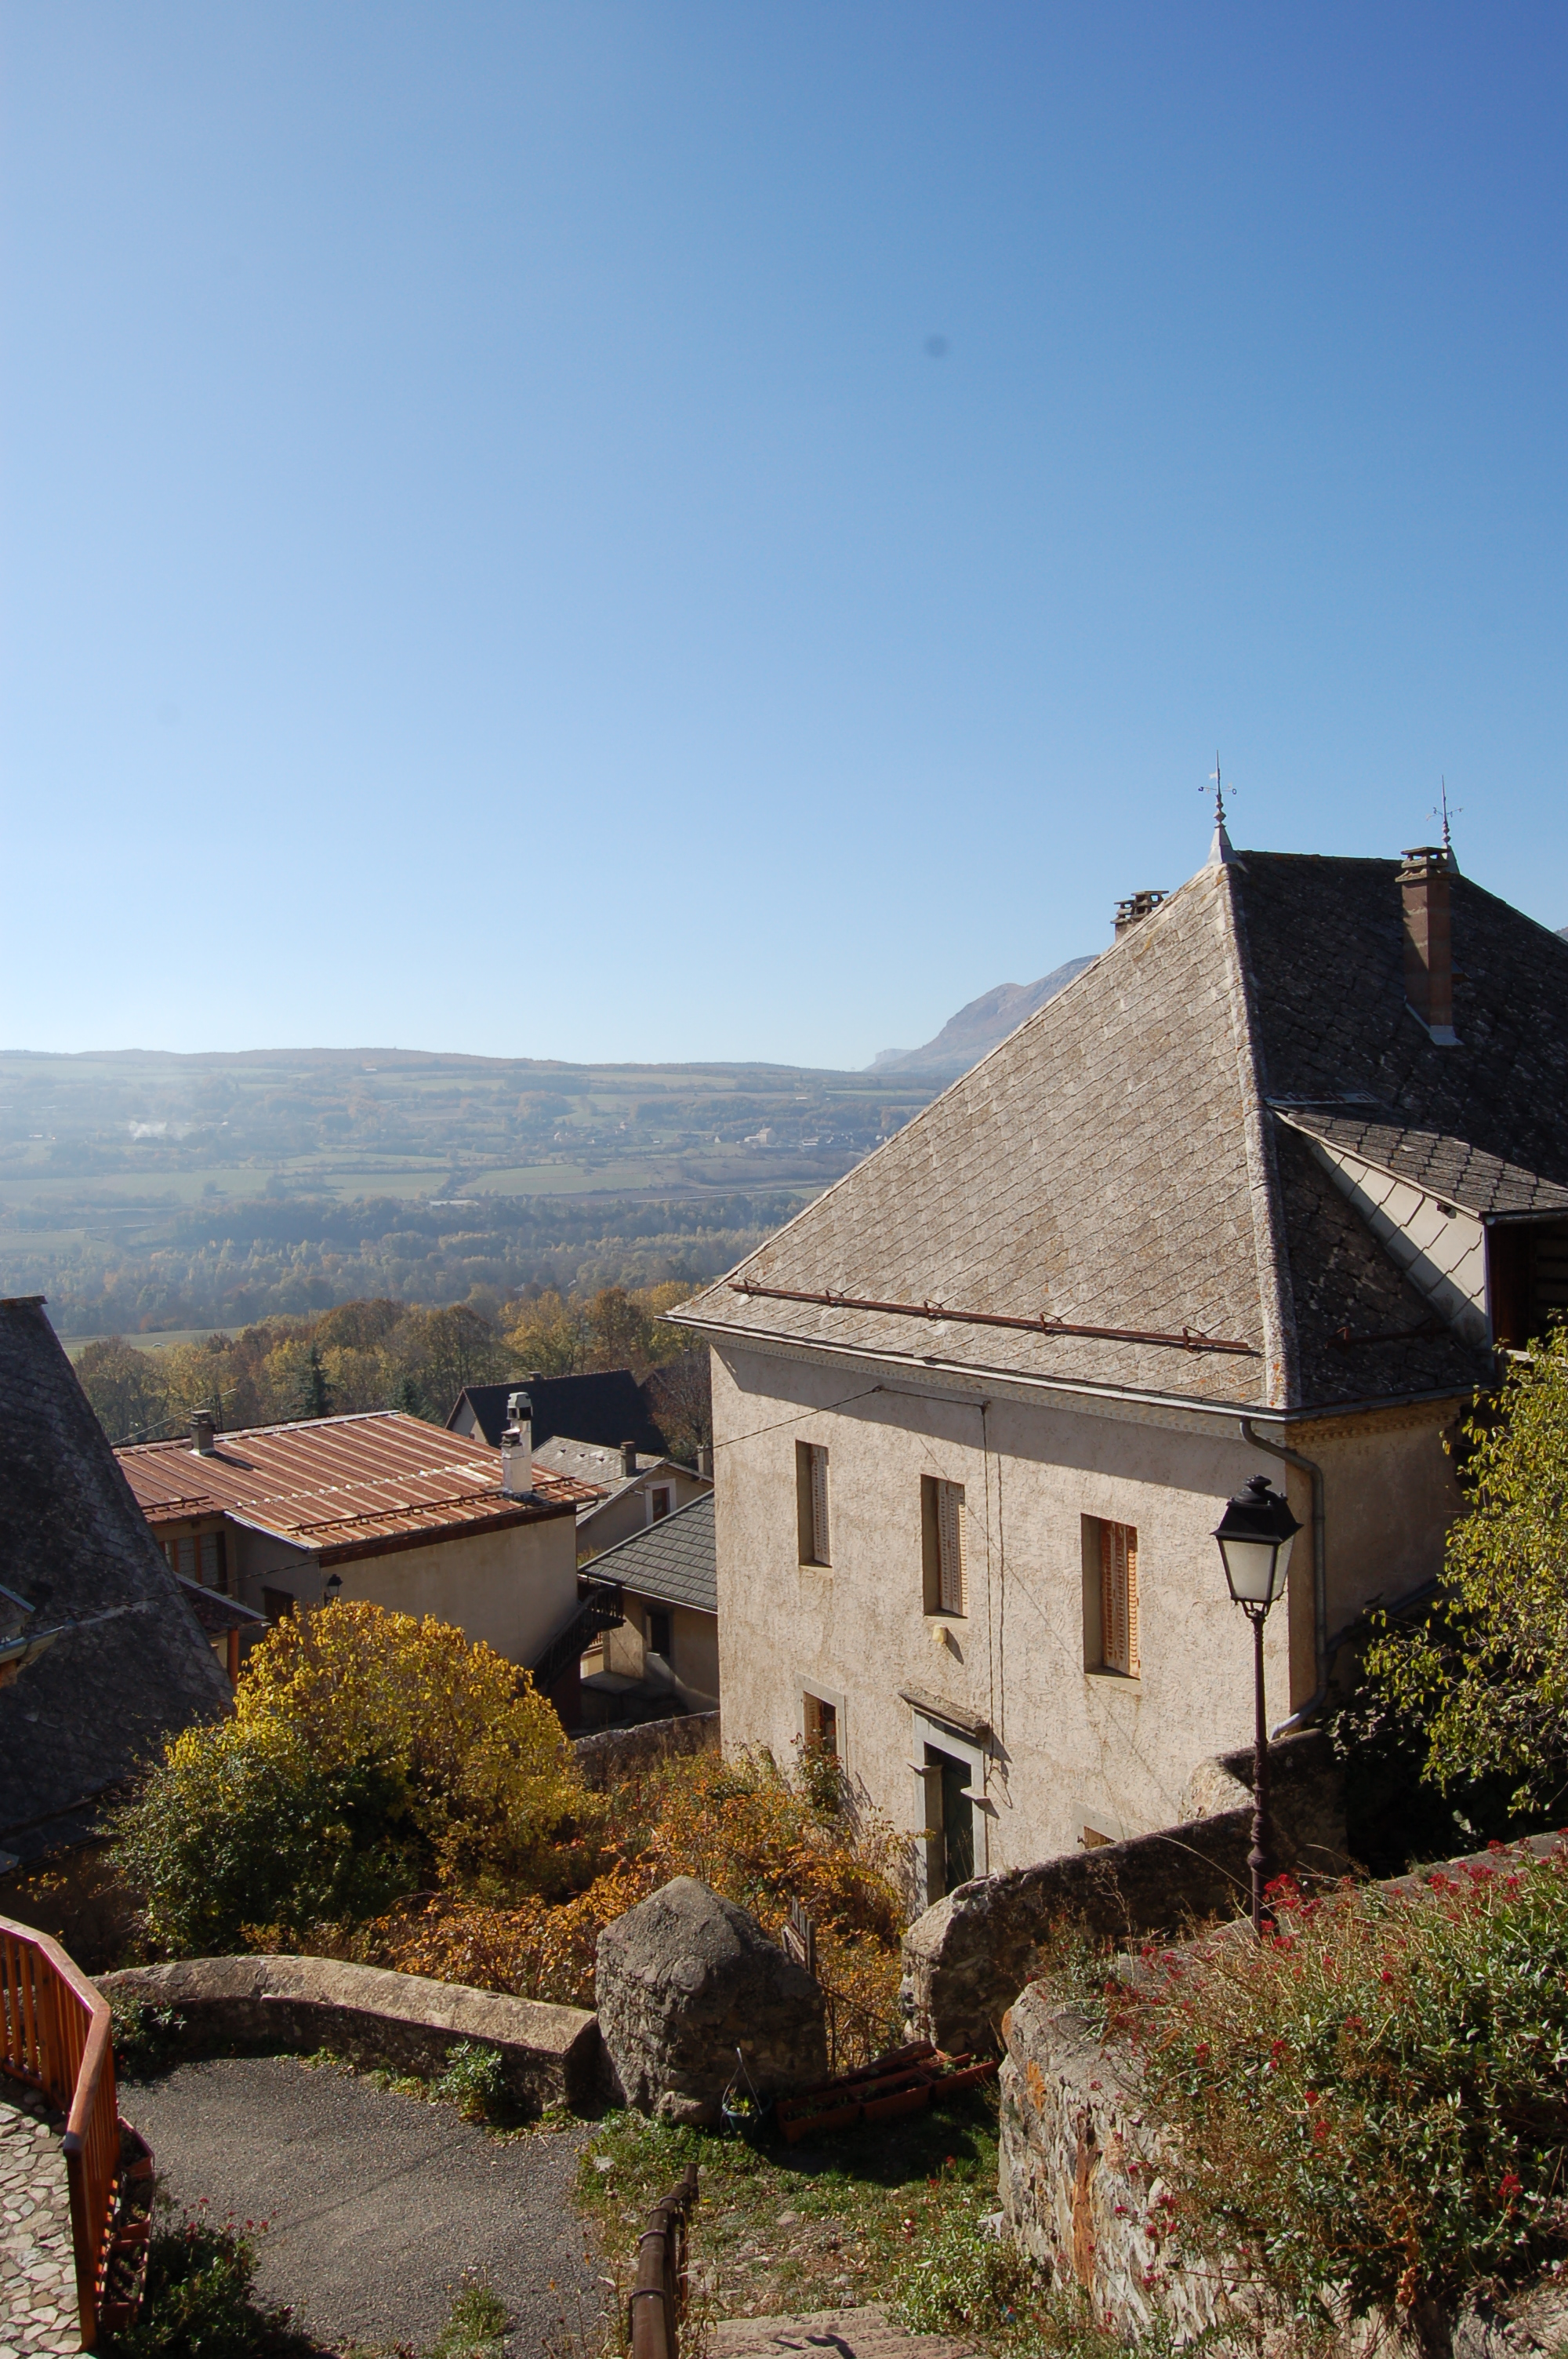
[[377, 2203], [38, 2273]]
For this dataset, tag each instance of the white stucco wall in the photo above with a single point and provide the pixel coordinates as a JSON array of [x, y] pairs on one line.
[[512, 1588], [1070, 1748]]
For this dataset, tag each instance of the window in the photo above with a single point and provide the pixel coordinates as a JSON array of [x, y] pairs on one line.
[[659, 1503], [821, 1721], [659, 1633], [942, 1545], [277, 1604], [1111, 1597], [811, 1501]]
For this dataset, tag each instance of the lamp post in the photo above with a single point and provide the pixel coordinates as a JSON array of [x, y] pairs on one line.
[[1255, 1535]]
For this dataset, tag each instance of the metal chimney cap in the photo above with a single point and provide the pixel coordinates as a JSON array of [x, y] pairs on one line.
[[203, 1434]]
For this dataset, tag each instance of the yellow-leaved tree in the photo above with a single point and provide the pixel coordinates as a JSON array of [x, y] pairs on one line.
[[371, 1754]]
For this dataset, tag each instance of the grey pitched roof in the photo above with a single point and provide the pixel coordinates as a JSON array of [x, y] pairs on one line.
[[673, 1559], [1115, 1164], [608, 1407], [1451, 1169], [131, 1665]]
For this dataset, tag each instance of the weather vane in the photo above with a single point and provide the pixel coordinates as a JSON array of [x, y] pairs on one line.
[[1219, 793], [1441, 810]]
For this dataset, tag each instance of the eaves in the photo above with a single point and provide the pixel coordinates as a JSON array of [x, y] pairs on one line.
[[964, 1380]]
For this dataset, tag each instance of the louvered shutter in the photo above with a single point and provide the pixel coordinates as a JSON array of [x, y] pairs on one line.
[[950, 1545], [1118, 1597], [819, 1505]]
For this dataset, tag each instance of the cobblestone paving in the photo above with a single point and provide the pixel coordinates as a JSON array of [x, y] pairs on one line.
[[37, 2275]]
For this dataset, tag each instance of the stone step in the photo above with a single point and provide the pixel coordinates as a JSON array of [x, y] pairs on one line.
[[866, 2333]]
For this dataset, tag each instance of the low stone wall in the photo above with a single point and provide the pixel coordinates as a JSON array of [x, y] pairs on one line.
[[1080, 2180], [282, 2005], [966, 1957], [610, 1754]]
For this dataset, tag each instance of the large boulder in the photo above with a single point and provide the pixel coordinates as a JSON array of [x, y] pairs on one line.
[[682, 1980]]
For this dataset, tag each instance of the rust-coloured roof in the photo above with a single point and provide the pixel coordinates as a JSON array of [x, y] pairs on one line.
[[341, 1483]]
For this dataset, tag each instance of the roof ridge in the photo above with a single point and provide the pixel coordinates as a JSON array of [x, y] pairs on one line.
[[1275, 1292]]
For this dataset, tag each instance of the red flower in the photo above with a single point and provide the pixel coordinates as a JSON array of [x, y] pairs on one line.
[[1510, 2187]]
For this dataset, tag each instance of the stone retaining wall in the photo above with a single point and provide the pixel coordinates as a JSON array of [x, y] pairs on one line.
[[282, 2005], [611, 1753], [966, 1957], [1079, 2177]]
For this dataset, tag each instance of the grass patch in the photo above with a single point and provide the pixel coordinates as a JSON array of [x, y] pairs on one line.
[[472, 2082], [795, 2228]]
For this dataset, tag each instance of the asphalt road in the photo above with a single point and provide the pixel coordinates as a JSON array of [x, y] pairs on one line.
[[377, 2203]]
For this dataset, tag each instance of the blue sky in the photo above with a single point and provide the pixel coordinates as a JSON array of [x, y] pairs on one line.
[[496, 555]]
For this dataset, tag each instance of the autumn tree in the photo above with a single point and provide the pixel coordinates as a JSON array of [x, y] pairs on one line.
[[128, 1389], [1487, 1673]]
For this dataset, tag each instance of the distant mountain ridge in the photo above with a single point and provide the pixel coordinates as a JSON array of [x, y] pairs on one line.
[[977, 1028]]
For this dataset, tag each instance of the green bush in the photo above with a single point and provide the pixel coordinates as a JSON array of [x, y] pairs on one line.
[[242, 1827], [474, 2081], [145, 2037], [1372, 2098], [199, 2301]]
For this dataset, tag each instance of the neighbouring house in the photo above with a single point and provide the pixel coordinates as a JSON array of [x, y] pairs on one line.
[[1266, 1188], [663, 1654], [106, 1658], [632, 1490], [610, 1407], [379, 1505]]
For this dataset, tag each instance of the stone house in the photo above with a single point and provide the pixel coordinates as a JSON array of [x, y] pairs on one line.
[[1266, 1188], [631, 1490]]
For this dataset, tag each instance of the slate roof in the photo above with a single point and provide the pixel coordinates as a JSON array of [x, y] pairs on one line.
[[131, 1667], [674, 1559], [608, 1408], [1118, 1163], [344, 1486], [1449, 1169]]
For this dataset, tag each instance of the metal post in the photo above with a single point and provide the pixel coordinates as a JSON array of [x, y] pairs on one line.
[[1257, 1857]]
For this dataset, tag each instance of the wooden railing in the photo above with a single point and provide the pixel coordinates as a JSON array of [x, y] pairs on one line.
[[55, 2037], [658, 2297]]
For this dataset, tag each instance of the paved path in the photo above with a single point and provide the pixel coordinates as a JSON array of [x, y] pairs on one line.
[[377, 2202], [38, 2273], [863, 2332]]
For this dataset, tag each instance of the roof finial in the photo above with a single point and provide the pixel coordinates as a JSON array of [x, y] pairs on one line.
[[1219, 851], [1441, 810]]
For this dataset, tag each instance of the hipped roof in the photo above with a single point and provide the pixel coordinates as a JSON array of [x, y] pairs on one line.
[[130, 1665], [1118, 1162]]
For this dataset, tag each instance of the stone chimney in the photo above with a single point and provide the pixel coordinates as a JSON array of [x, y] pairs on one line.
[[1429, 942], [628, 1458], [1130, 912], [705, 1460], [203, 1434], [517, 1448]]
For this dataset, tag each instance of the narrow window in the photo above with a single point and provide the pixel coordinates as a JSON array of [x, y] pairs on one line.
[[821, 1723], [942, 1522], [811, 1501], [659, 1505], [277, 1604], [1118, 1597], [659, 1634]]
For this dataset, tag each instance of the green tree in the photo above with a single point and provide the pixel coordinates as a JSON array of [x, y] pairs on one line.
[[1489, 1672], [128, 1389], [314, 1395]]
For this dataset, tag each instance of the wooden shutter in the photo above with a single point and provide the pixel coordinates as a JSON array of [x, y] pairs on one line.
[[950, 1545], [819, 1504], [1118, 1597]]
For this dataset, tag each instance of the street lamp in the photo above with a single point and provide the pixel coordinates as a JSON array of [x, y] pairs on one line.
[[1255, 1535]]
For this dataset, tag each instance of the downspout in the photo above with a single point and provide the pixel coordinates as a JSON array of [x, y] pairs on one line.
[[1314, 1702]]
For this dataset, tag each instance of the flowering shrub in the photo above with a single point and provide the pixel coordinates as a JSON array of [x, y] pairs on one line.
[[1373, 2097]]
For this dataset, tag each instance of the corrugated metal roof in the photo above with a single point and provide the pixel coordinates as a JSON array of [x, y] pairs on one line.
[[674, 1559], [338, 1482]]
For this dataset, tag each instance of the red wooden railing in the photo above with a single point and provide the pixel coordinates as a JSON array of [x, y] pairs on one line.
[[55, 2037]]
